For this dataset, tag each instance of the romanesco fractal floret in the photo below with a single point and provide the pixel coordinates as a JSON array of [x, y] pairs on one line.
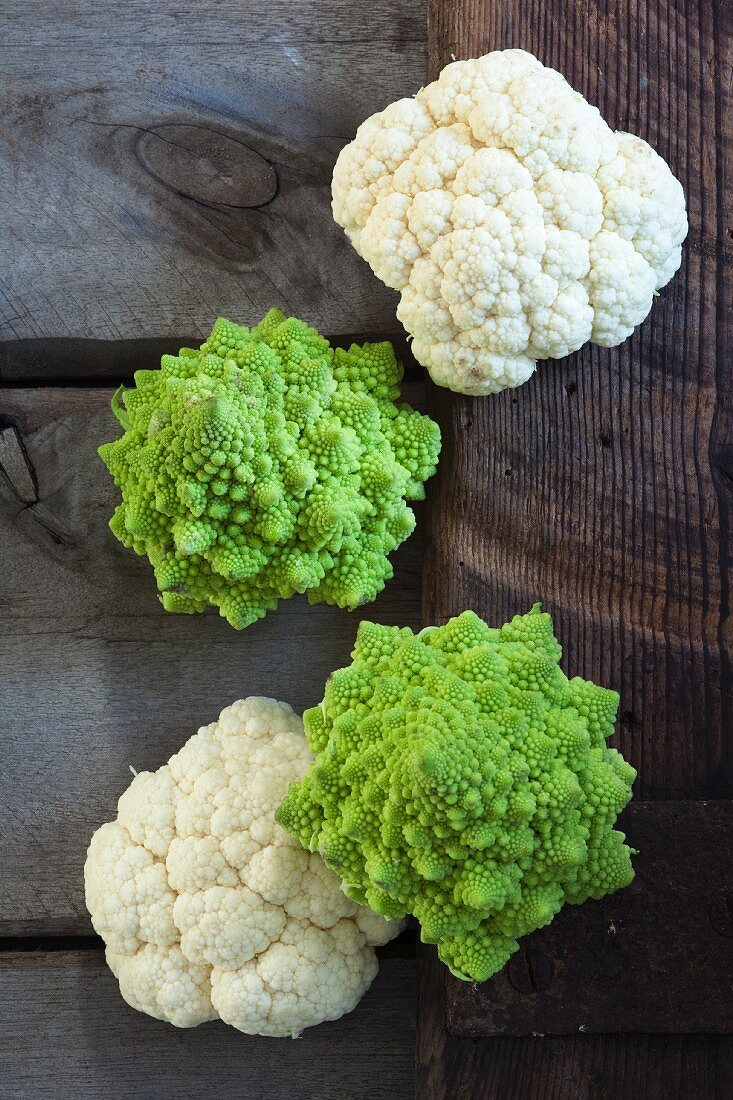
[[267, 463], [461, 776]]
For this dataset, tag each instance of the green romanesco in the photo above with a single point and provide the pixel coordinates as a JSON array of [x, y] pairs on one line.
[[267, 463], [460, 776]]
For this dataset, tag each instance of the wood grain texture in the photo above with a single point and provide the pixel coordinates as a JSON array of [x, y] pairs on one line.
[[656, 957], [165, 162], [95, 676], [603, 488], [584, 1067], [70, 1036]]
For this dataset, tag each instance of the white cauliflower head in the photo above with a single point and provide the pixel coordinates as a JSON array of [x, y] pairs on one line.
[[208, 908], [515, 223]]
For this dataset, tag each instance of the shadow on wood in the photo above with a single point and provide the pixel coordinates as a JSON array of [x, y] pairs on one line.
[[656, 957]]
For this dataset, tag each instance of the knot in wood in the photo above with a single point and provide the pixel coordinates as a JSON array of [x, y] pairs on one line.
[[207, 166]]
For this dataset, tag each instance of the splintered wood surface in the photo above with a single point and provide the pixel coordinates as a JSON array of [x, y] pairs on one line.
[[656, 957], [603, 489], [578, 1067]]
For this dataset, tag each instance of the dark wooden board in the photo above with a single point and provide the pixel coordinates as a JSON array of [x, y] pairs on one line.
[[68, 1035], [603, 488], [94, 675], [166, 162], [581, 1067], [657, 957]]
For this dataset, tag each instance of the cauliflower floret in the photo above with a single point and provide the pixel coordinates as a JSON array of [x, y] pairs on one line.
[[307, 969], [462, 84], [147, 810], [162, 982], [226, 926], [593, 220], [620, 285], [141, 906], [381, 145], [209, 909]]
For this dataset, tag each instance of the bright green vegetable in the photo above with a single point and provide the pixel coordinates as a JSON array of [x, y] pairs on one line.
[[461, 776], [267, 463]]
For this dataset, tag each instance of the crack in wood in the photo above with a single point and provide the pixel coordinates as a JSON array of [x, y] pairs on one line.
[[16, 466], [19, 473], [80, 361], [48, 521], [402, 947]]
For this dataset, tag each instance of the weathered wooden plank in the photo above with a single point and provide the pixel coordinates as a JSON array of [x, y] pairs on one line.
[[103, 240], [95, 676], [657, 957], [68, 1035], [601, 488], [584, 1067]]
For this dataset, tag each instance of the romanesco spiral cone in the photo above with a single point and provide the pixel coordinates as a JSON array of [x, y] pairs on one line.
[[461, 777], [267, 463]]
